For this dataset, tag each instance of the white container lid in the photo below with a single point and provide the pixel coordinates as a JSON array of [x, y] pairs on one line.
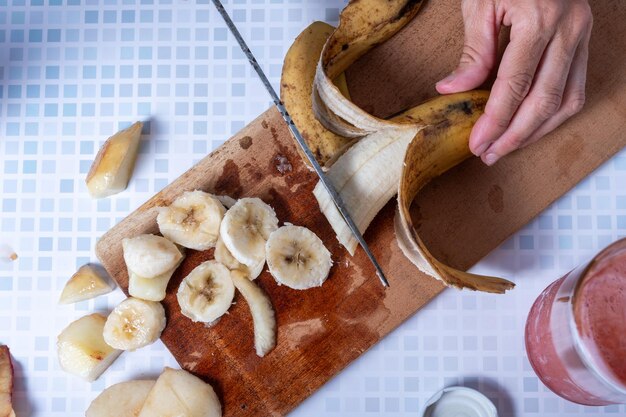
[[459, 402]]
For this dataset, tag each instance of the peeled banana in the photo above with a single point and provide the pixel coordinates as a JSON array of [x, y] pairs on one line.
[[435, 133], [206, 293], [223, 256], [134, 323], [192, 220], [263, 316], [149, 255], [297, 258]]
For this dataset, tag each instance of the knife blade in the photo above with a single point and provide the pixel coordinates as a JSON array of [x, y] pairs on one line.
[[305, 148]]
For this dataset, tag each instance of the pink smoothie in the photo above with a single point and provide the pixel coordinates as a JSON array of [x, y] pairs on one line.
[[561, 352]]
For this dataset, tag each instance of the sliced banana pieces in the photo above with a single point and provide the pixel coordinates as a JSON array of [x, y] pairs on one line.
[[134, 323], [206, 293], [263, 316], [192, 220], [149, 255], [245, 229], [223, 256], [297, 258]]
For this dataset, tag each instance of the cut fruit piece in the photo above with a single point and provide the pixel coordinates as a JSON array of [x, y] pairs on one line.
[[223, 256], [150, 256], [114, 163], [124, 399], [245, 229], [179, 393], [192, 220], [263, 316], [6, 383], [134, 323], [88, 282], [297, 258], [82, 350], [151, 289], [206, 293], [226, 201], [296, 88]]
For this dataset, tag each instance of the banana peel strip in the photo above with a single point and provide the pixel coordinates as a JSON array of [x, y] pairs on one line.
[[437, 132]]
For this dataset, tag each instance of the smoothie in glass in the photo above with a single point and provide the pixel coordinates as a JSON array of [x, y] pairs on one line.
[[576, 331]]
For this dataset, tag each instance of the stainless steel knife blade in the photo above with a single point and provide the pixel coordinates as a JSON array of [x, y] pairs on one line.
[[296, 133]]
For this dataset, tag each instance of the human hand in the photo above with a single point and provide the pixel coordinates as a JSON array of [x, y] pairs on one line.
[[541, 79]]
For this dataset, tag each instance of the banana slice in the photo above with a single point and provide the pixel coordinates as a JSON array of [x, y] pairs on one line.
[[149, 255], [297, 258], [223, 256], [263, 316], [192, 220], [134, 323], [206, 293], [245, 229], [124, 399], [151, 289]]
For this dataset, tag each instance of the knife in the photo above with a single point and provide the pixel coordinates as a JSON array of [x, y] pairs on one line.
[[296, 133]]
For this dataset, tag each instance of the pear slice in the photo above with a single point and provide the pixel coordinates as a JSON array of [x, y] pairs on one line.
[[179, 393], [82, 350], [114, 163], [88, 282], [120, 400]]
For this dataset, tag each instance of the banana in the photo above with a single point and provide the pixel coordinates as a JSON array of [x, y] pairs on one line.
[[192, 220], [177, 393], [297, 258], [206, 293], [124, 399], [223, 256], [150, 255], [82, 349], [88, 282], [296, 88], [369, 171], [263, 316], [226, 201], [245, 229], [134, 323], [151, 289]]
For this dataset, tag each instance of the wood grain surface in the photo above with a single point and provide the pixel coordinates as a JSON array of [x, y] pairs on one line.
[[463, 215]]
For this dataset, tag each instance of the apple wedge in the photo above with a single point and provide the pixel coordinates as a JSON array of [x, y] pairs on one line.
[[114, 163], [86, 283], [179, 393], [6, 383], [120, 400], [82, 350]]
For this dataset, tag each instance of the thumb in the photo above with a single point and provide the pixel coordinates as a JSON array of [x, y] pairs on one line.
[[479, 50]]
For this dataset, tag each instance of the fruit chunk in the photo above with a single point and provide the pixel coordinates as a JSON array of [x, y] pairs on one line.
[[297, 258], [6, 383], [223, 256], [114, 163], [134, 323], [124, 399], [88, 282], [150, 256], [179, 393], [82, 350], [245, 228], [192, 220], [206, 293], [151, 289], [263, 316]]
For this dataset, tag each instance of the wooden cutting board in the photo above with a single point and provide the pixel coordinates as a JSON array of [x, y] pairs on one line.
[[462, 216]]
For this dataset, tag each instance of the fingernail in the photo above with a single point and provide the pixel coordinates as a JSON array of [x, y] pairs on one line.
[[491, 158], [482, 148], [448, 79]]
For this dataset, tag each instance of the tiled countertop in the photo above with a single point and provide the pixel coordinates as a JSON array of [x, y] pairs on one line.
[[74, 71]]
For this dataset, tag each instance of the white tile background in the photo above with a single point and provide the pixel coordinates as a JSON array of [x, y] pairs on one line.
[[73, 71]]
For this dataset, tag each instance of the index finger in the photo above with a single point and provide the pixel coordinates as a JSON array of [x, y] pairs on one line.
[[515, 76]]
